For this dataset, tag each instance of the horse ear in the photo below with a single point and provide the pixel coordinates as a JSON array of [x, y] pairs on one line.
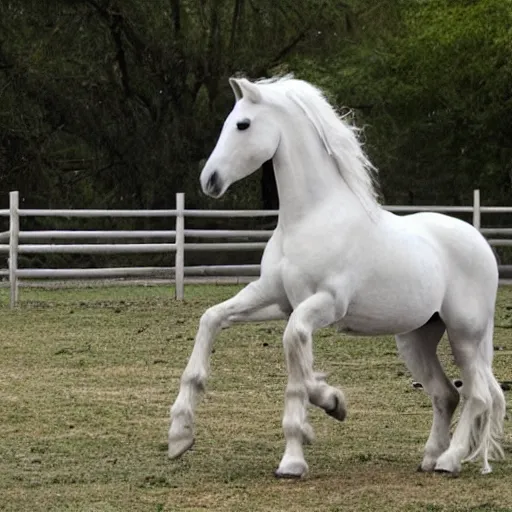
[[245, 89], [237, 91], [249, 90]]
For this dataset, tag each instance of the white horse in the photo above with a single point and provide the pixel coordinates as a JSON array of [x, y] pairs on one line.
[[338, 258]]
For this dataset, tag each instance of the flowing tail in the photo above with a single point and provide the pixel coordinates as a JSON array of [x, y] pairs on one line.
[[487, 429]]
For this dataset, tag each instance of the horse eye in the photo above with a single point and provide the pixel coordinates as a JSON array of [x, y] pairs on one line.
[[243, 124]]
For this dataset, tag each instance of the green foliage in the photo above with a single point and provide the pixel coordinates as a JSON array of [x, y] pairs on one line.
[[117, 103], [436, 95]]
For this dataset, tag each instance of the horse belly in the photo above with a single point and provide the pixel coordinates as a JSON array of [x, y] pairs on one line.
[[375, 320], [399, 301], [370, 325]]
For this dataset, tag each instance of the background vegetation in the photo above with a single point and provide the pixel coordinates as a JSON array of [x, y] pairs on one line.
[[116, 103]]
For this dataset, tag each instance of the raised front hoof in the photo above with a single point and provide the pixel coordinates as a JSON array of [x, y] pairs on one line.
[[338, 412], [178, 446], [292, 469]]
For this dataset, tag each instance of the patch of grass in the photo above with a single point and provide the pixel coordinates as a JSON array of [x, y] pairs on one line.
[[87, 377]]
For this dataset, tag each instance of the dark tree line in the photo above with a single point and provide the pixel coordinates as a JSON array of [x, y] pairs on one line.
[[116, 103]]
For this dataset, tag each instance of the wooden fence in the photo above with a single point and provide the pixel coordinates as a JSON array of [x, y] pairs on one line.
[[16, 242]]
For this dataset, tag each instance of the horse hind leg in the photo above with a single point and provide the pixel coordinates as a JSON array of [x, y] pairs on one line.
[[419, 351], [480, 426]]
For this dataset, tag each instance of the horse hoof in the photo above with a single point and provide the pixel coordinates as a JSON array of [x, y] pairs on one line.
[[448, 465], [293, 469], [178, 446], [458, 383], [486, 470], [427, 465], [338, 412], [286, 476], [447, 473]]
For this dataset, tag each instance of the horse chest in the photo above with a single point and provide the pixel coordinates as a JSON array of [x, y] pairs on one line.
[[297, 282], [302, 276]]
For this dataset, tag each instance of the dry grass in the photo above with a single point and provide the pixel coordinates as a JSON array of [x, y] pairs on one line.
[[87, 377]]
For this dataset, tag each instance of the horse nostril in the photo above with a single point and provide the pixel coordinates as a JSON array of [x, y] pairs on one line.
[[212, 181], [213, 184]]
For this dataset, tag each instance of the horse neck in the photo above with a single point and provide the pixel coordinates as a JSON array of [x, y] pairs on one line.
[[308, 178]]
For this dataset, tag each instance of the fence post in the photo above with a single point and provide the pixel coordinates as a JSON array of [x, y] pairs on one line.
[[14, 231], [179, 267], [476, 209]]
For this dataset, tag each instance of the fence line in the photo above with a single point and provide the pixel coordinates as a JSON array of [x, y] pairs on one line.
[[125, 234], [14, 241]]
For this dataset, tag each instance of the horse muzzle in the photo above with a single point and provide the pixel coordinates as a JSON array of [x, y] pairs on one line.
[[213, 185]]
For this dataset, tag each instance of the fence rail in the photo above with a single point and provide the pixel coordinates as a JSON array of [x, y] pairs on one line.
[[14, 241]]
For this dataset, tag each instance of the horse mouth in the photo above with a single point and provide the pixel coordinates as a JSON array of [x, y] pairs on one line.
[[213, 193]]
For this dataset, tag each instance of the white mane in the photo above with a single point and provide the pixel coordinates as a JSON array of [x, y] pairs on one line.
[[339, 138]]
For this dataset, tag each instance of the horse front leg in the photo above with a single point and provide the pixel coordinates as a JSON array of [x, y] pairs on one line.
[[252, 304], [304, 385]]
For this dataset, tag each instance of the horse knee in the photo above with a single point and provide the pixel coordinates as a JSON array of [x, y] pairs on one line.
[[297, 348], [195, 378], [447, 401], [295, 332], [210, 319]]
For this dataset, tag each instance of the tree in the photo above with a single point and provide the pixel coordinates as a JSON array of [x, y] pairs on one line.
[[434, 92], [117, 102]]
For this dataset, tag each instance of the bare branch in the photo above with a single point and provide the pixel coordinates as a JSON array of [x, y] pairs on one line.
[[115, 29], [176, 15], [237, 17]]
